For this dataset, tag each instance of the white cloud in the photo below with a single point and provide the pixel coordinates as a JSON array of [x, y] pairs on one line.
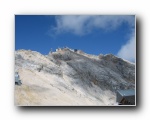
[[84, 24], [74, 24], [127, 51]]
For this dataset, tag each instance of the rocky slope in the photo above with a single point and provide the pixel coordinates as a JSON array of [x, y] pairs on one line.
[[68, 77]]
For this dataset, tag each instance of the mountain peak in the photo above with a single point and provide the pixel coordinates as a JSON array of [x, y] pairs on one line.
[[71, 77]]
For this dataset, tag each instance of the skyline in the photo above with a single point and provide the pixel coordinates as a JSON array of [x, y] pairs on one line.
[[96, 34]]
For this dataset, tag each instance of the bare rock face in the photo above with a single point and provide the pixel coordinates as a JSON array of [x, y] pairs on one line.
[[68, 77]]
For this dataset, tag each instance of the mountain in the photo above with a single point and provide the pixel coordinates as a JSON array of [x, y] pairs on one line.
[[70, 77]]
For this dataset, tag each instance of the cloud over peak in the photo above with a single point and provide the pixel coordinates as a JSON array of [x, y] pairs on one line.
[[85, 24]]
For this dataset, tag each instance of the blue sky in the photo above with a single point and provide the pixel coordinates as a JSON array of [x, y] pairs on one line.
[[96, 34]]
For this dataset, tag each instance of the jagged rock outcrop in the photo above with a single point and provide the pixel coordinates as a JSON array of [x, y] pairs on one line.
[[68, 77]]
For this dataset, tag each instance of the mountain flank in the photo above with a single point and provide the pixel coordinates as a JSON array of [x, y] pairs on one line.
[[71, 78]]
